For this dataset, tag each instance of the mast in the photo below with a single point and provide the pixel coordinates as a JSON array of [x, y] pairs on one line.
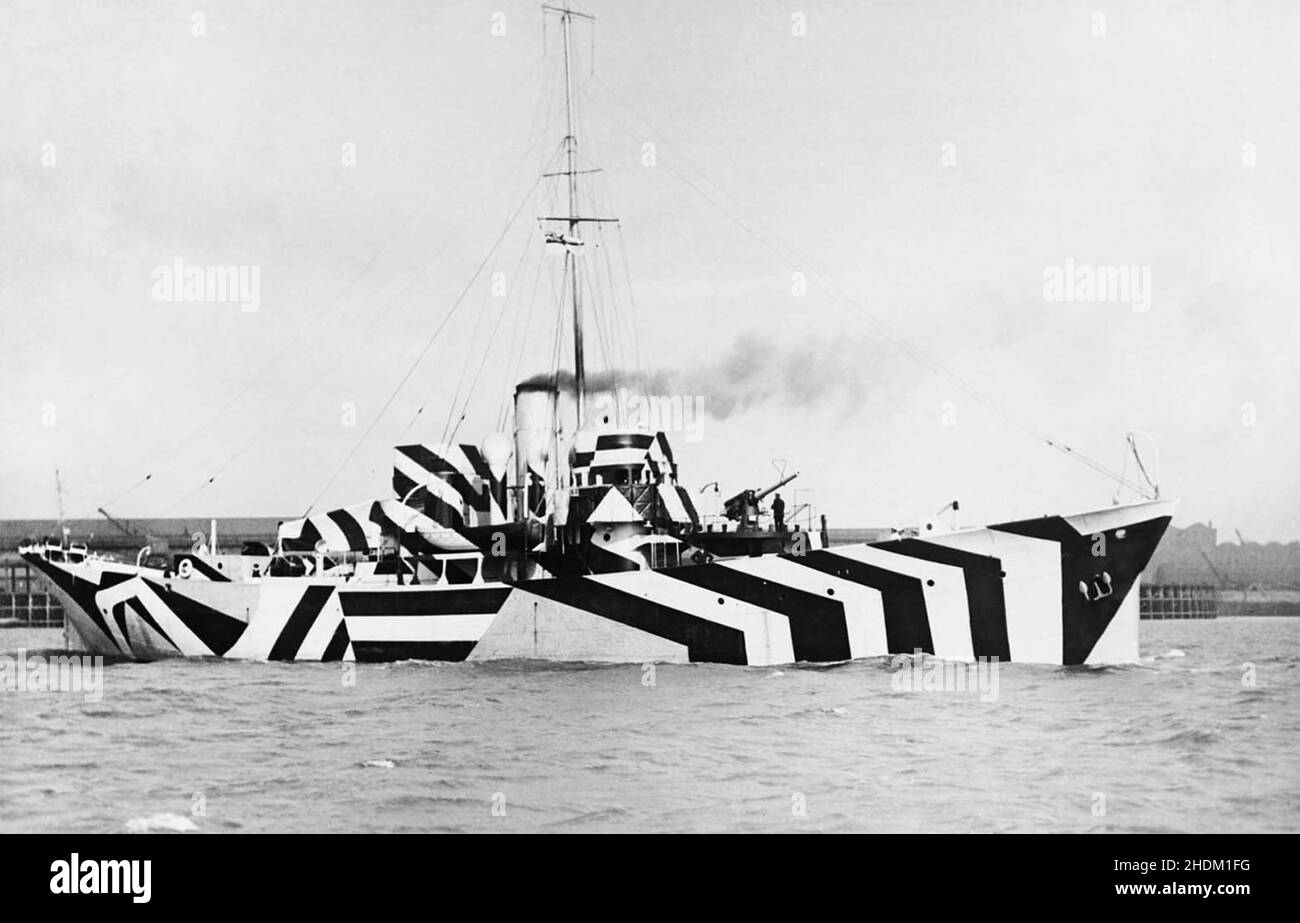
[[572, 220], [58, 485], [570, 258]]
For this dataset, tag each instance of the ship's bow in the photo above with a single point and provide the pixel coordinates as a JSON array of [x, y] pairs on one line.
[[1102, 555]]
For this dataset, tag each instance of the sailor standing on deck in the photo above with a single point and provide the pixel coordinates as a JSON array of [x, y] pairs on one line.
[[778, 513]]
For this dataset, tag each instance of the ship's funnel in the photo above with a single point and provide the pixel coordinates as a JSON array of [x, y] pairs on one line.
[[534, 439]]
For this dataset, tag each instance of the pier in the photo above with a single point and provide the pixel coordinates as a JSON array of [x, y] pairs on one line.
[[1178, 601], [24, 598]]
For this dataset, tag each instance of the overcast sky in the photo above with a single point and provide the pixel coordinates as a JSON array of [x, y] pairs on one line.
[[929, 161]]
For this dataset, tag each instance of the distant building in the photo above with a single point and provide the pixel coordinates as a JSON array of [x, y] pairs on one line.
[[1194, 555]]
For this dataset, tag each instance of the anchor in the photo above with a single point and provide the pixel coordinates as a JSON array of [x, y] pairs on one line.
[[1096, 587]]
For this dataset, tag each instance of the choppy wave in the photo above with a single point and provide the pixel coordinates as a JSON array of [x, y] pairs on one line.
[[1205, 741], [163, 822]]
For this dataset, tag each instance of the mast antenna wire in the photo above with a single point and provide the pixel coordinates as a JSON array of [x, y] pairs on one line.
[[864, 315], [428, 344]]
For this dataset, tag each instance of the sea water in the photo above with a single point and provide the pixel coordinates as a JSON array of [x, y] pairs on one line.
[[1201, 736]]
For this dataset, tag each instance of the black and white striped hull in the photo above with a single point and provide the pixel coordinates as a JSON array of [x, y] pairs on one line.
[[1035, 591]]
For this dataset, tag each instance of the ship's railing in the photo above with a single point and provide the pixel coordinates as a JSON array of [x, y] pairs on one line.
[[353, 563], [74, 553], [443, 570]]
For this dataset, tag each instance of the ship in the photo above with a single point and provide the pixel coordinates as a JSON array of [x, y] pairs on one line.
[[574, 537]]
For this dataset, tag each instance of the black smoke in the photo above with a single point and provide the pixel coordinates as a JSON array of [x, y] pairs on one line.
[[840, 376]]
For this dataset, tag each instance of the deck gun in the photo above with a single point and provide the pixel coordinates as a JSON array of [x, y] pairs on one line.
[[743, 507]]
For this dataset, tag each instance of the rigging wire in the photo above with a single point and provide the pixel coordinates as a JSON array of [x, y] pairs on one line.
[[487, 351], [469, 355], [632, 313], [523, 338], [425, 350], [547, 116], [591, 305], [626, 338], [558, 347], [276, 420], [551, 109], [449, 432], [207, 424], [378, 318], [419, 410]]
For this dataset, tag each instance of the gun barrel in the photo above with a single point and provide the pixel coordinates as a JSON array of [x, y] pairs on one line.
[[777, 486]]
